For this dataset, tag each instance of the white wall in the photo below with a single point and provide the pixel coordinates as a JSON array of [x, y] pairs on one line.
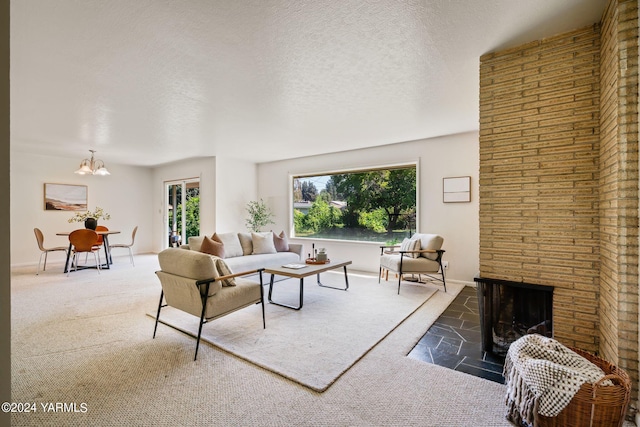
[[124, 195], [131, 195], [236, 186], [203, 168], [135, 196], [455, 155]]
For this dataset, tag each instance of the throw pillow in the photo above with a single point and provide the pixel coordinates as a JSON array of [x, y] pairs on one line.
[[223, 270], [410, 245], [280, 242], [195, 242], [429, 241], [232, 247], [263, 243], [211, 247], [245, 242]]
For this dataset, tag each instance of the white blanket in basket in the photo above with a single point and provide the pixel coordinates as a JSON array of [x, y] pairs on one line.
[[543, 369]]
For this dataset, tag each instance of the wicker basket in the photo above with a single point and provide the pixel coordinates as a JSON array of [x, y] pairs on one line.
[[594, 404]]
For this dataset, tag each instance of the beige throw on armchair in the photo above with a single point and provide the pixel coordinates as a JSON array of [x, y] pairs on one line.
[[192, 283]]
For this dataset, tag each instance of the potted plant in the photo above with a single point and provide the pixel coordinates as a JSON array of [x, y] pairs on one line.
[[90, 218], [259, 215]]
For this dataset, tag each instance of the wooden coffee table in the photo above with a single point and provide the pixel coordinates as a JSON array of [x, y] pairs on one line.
[[301, 273]]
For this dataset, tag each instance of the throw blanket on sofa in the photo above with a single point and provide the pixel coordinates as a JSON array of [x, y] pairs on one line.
[[543, 376]]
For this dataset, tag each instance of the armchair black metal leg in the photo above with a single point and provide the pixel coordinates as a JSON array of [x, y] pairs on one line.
[[202, 322], [400, 274], [444, 283], [158, 314], [202, 319]]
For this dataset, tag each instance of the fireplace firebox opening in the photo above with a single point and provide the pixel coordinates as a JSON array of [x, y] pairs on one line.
[[510, 310]]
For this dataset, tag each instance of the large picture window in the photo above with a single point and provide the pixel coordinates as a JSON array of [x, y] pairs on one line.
[[377, 205]]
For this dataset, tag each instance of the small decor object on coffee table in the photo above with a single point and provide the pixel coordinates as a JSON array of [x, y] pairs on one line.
[[316, 261], [320, 256], [294, 266]]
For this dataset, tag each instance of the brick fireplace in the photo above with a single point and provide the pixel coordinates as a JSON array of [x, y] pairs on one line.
[[559, 178]]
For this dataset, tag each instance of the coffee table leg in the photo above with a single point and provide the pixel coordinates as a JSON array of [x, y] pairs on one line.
[[346, 281], [301, 292], [286, 305], [270, 287]]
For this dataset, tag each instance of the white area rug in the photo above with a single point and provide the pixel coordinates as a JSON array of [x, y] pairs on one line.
[[317, 344]]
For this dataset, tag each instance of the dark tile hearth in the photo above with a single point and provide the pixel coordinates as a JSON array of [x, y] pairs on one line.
[[453, 341]]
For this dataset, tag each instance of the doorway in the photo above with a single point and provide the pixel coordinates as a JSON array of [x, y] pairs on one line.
[[182, 211]]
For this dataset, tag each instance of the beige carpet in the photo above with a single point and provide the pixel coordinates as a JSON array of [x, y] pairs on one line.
[[317, 344], [86, 339]]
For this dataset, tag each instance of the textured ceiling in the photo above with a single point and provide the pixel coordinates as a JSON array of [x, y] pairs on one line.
[[147, 82]]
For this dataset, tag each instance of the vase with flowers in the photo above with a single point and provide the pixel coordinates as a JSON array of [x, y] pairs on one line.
[[90, 218]]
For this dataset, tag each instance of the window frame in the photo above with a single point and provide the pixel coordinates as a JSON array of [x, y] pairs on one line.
[[359, 169], [184, 184]]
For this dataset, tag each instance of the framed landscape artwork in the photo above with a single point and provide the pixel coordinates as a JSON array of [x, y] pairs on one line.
[[65, 197]]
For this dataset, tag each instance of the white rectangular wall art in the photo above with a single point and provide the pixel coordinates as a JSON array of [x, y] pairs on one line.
[[456, 189]]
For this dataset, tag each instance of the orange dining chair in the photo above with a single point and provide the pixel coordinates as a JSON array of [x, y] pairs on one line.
[[100, 240], [128, 246], [45, 251], [84, 241], [100, 237]]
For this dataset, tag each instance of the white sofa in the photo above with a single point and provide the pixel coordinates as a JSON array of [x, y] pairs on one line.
[[242, 255]]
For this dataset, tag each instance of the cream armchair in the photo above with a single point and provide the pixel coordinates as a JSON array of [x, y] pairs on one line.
[[421, 255], [201, 285]]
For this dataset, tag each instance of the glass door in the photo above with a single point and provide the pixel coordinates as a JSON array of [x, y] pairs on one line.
[[182, 211]]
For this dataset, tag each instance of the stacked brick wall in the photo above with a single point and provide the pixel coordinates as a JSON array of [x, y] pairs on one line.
[[559, 178], [539, 147], [619, 186]]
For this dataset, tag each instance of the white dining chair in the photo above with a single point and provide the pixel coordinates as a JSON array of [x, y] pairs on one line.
[[127, 245], [45, 251]]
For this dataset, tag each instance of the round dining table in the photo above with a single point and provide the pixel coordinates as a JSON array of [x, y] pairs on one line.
[[107, 251]]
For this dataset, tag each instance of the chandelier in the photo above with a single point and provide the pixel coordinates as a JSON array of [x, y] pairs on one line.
[[92, 167]]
